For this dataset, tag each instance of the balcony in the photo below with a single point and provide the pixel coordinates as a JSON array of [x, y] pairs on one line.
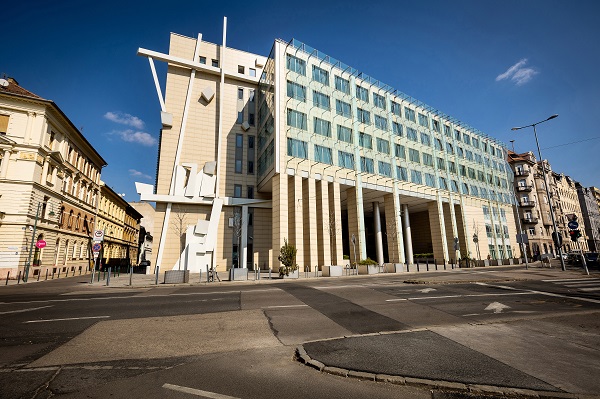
[[531, 220], [522, 189], [527, 204], [523, 172]]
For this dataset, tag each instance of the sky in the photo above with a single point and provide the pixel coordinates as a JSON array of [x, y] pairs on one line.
[[493, 65]]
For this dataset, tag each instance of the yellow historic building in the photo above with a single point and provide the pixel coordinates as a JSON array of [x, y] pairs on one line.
[[49, 187]]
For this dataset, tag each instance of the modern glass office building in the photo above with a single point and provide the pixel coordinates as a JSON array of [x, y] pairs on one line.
[[299, 146]]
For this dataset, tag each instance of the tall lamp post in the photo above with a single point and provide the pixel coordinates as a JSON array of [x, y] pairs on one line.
[[556, 235]]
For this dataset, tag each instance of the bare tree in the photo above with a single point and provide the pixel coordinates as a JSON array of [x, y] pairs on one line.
[[179, 227]]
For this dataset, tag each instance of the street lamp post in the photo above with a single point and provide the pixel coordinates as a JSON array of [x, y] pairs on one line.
[[556, 234]]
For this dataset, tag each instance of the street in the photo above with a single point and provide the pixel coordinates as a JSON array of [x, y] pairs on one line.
[[533, 329]]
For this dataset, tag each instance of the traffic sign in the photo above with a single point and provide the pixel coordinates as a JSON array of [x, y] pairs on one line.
[[98, 235], [573, 225], [96, 247], [40, 244]]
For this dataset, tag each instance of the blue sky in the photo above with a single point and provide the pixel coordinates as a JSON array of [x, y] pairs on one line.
[[490, 64]]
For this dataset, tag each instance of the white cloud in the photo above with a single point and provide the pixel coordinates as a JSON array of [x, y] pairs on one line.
[[518, 73], [137, 173], [133, 136], [124, 119]]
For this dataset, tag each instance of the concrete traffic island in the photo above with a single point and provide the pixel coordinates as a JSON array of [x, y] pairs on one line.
[[423, 358]]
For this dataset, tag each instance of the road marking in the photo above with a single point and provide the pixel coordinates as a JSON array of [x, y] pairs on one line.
[[590, 289], [26, 310], [566, 280], [284, 306], [497, 307], [426, 290], [137, 297], [576, 285], [197, 392], [555, 295], [67, 319], [457, 296]]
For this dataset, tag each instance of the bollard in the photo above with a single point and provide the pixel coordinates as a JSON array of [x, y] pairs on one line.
[[200, 276], [427, 263], [19, 278], [53, 274], [418, 265], [157, 271], [131, 275], [269, 273], [73, 273], [435, 263], [7, 276], [407, 267], [58, 274], [108, 279], [46, 274], [39, 274]]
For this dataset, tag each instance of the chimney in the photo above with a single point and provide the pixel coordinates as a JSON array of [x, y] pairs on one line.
[[12, 80]]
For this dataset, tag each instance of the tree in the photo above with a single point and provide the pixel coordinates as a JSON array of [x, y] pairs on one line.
[[287, 256], [179, 227]]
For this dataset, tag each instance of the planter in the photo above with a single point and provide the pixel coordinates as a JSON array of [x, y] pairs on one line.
[[292, 275], [393, 267], [368, 269], [333, 271], [238, 274], [177, 276]]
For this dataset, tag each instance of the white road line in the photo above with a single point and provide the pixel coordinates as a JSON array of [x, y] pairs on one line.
[[457, 296], [137, 296], [67, 319], [558, 295], [593, 283], [284, 306], [590, 289], [566, 280], [197, 392], [26, 310]]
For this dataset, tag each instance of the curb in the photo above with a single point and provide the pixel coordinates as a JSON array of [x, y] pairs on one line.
[[438, 387]]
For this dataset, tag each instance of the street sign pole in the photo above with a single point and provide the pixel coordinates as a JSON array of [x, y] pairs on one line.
[[26, 274]]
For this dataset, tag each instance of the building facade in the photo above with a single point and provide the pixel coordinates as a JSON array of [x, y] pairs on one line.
[[146, 239], [121, 225], [299, 147], [590, 225], [49, 187], [567, 208], [532, 203]]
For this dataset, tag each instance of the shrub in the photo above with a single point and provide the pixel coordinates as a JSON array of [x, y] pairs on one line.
[[287, 256], [367, 261]]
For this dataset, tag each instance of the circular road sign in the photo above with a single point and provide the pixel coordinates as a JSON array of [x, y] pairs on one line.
[[40, 244], [96, 247], [573, 225]]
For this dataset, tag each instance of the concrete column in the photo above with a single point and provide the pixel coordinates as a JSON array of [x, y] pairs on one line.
[[4, 167], [309, 208], [244, 239], [393, 223], [335, 211], [355, 215], [324, 228], [378, 233], [296, 220], [30, 120], [438, 230], [279, 212], [407, 235]]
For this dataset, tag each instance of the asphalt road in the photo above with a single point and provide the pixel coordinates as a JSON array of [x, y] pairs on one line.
[[66, 338]]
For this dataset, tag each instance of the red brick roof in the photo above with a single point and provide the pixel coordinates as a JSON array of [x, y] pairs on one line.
[[14, 88]]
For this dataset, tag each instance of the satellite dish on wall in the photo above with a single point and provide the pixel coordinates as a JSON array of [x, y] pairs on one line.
[[3, 82]]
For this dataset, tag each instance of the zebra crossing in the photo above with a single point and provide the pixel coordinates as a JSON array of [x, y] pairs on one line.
[[581, 284]]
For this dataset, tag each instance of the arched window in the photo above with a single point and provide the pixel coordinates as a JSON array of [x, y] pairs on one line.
[[70, 221], [61, 216], [78, 222]]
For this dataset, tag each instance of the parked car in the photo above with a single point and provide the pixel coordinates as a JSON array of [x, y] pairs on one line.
[[574, 258], [591, 257]]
